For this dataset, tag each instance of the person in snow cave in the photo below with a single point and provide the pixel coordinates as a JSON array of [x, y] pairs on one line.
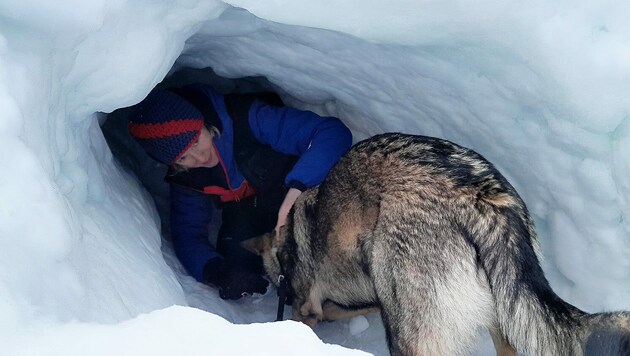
[[246, 154]]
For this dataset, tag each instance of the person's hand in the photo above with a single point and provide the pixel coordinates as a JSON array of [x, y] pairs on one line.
[[286, 206], [234, 281], [237, 282]]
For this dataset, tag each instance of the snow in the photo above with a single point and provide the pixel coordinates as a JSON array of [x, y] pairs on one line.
[[539, 88], [176, 331]]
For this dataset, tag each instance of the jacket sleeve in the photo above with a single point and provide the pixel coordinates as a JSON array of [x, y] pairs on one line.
[[319, 141], [190, 215]]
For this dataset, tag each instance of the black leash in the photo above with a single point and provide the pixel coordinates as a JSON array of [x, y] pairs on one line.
[[282, 296]]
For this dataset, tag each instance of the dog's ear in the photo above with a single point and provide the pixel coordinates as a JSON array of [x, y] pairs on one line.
[[258, 245]]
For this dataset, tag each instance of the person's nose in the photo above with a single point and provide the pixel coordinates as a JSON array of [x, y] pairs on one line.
[[197, 155]]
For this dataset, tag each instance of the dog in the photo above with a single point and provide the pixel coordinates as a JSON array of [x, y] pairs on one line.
[[432, 235]]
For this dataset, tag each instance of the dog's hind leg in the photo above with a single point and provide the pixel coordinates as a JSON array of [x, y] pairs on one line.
[[501, 344], [433, 297], [333, 311]]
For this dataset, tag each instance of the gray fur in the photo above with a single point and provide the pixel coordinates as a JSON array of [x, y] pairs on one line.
[[436, 237]]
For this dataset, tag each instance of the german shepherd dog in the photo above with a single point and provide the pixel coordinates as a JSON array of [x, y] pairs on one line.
[[435, 237]]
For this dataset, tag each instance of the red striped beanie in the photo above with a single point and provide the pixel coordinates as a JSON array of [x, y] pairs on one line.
[[165, 125]]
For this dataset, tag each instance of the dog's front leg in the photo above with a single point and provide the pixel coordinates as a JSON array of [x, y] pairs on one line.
[[309, 312]]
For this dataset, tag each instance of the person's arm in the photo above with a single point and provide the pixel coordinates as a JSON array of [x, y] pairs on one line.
[[319, 141], [190, 216], [288, 202]]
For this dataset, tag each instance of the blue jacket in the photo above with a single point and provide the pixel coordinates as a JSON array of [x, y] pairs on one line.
[[318, 141]]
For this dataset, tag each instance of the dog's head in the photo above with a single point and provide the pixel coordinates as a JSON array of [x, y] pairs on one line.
[[267, 246], [279, 251]]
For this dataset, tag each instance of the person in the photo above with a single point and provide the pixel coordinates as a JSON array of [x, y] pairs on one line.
[[246, 154]]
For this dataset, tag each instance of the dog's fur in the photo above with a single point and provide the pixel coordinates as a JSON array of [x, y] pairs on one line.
[[433, 235]]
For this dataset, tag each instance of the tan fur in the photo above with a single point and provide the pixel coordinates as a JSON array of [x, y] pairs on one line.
[[501, 345], [332, 311], [344, 235]]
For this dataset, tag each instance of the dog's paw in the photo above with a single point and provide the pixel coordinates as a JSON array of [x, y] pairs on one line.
[[308, 315], [311, 321]]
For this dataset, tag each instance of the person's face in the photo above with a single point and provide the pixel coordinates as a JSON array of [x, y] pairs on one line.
[[201, 153]]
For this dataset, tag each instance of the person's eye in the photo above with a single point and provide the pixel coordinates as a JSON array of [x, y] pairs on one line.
[[181, 159]]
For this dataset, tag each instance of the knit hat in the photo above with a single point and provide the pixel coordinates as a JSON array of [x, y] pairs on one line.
[[165, 125]]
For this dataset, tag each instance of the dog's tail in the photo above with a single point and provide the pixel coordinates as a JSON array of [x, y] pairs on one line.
[[532, 317]]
